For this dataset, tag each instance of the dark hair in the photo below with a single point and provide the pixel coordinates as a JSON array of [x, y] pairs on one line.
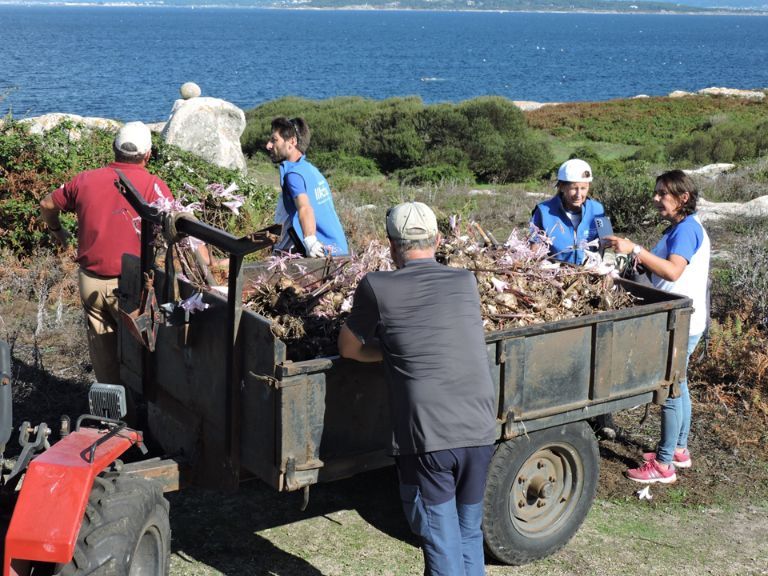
[[293, 128], [677, 183]]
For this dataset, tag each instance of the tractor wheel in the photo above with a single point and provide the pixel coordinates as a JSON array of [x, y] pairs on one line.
[[539, 490], [125, 531]]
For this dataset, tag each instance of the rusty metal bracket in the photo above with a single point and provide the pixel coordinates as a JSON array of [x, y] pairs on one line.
[[300, 475], [144, 322]]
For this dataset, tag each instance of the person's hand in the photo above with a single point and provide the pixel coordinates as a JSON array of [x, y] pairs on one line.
[[61, 237], [620, 245], [314, 247]]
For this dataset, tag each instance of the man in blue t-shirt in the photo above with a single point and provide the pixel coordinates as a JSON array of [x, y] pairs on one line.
[[306, 204]]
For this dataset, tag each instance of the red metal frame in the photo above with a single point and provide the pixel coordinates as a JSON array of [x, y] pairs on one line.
[[53, 497]]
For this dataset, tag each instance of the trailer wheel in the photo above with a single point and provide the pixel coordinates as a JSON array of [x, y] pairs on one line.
[[539, 490], [125, 531]]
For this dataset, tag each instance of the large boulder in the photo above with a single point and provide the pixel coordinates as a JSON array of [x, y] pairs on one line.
[[711, 170], [712, 211], [210, 128], [734, 92], [46, 122], [528, 105]]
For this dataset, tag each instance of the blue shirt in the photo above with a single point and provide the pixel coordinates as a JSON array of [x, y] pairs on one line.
[[301, 177], [568, 242], [688, 239]]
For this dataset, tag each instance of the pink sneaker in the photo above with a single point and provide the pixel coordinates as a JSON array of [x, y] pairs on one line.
[[651, 472], [680, 459]]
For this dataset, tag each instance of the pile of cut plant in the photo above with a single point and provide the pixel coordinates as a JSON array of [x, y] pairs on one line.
[[307, 300]]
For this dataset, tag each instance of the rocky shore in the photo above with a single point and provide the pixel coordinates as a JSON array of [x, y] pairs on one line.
[[757, 94]]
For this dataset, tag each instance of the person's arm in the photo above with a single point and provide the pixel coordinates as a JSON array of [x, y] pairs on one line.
[[669, 269], [359, 342], [308, 226], [50, 215], [352, 347], [306, 215], [297, 190]]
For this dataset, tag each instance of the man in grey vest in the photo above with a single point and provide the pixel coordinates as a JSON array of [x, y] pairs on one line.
[[423, 320]]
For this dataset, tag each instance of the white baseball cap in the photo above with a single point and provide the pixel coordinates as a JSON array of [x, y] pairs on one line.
[[134, 139], [574, 170], [411, 221]]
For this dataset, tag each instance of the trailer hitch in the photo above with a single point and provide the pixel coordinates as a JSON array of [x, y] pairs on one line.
[[29, 447]]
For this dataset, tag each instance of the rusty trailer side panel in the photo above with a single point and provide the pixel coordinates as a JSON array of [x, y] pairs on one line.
[[328, 418]]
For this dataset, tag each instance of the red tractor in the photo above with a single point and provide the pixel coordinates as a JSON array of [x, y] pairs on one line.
[[71, 507]]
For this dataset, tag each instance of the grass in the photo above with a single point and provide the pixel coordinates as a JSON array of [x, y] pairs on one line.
[[355, 527]]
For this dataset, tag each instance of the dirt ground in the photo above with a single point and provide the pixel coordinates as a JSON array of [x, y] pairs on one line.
[[713, 521]]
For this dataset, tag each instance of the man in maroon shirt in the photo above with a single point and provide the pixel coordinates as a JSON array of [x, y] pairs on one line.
[[106, 229]]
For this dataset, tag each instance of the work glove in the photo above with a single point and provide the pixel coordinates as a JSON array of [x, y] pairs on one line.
[[314, 247]]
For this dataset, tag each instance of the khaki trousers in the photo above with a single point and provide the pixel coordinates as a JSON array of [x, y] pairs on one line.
[[99, 298]]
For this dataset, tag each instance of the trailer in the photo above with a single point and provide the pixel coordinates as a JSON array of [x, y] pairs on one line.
[[220, 394]]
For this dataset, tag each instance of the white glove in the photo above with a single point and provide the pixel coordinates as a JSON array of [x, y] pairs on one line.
[[314, 247]]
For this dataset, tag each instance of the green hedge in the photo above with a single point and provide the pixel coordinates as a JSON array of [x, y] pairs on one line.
[[487, 137]]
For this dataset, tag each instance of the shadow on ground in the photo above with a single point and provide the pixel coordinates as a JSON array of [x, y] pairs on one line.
[[220, 529]]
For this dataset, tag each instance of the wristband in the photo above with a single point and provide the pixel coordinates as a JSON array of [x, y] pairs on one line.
[[636, 249]]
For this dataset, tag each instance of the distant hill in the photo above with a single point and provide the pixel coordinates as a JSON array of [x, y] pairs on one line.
[[737, 4], [546, 5], [491, 5]]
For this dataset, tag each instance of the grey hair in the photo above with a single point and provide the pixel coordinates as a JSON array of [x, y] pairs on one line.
[[404, 246]]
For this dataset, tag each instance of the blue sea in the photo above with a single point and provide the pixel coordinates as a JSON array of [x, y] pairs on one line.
[[129, 62]]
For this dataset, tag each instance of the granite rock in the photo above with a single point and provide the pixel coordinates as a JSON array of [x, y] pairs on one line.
[[209, 128], [47, 122], [735, 92]]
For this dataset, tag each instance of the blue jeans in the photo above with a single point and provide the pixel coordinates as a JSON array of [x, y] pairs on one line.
[[442, 497], [676, 415]]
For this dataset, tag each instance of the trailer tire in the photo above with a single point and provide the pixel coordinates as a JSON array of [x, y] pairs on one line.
[[540, 487], [125, 531]]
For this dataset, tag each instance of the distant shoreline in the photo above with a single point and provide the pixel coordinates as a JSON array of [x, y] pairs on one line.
[[367, 8]]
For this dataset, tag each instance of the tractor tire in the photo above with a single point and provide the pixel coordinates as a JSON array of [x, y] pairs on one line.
[[125, 531], [539, 490]]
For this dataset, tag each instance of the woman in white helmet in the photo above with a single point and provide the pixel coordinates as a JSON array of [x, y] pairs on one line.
[[568, 218]]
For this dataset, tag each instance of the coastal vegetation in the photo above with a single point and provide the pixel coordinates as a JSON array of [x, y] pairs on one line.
[[31, 165], [483, 160], [485, 139]]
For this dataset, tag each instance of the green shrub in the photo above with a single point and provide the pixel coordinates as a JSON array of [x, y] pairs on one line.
[[489, 136], [391, 136], [336, 124], [34, 165], [439, 174], [731, 141], [743, 289], [500, 146], [650, 153], [626, 190], [333, 162]]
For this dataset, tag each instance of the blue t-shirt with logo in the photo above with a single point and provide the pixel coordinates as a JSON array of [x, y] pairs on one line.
[[301, 177]]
